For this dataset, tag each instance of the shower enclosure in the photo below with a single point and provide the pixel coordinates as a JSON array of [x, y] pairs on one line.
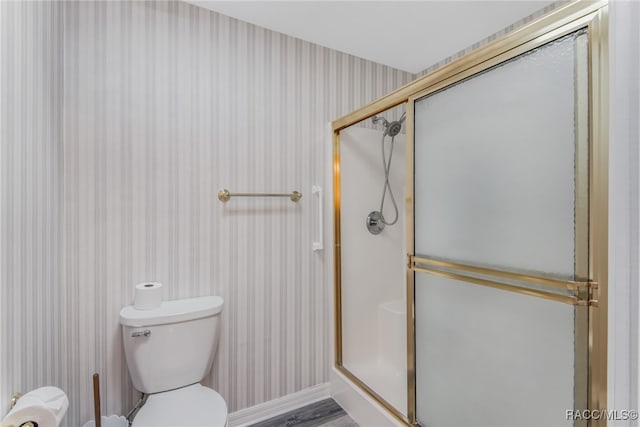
[[487, 298]]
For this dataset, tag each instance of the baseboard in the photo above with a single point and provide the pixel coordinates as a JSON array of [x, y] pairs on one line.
[[266, 410]]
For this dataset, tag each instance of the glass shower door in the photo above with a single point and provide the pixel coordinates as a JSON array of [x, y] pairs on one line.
[[372, 314], [501, 242]]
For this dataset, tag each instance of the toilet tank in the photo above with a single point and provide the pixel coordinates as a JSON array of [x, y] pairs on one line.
[[172, 346]]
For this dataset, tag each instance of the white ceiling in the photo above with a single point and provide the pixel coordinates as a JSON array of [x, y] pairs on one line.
[[409, 35]]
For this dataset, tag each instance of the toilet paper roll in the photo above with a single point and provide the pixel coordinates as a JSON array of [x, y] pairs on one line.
[[44, 406], [148, 296]]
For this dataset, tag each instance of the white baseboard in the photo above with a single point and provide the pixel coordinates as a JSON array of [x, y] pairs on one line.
[[266, 410]]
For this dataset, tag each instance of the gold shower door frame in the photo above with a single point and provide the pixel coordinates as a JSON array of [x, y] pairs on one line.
[[591, 293]]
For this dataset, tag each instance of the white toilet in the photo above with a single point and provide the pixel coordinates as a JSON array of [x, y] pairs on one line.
[[169, 350]]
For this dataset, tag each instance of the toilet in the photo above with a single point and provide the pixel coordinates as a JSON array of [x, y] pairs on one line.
[[169, 350]]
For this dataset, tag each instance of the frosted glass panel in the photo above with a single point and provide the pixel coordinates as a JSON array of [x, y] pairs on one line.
[[491, 358], [495, 161]]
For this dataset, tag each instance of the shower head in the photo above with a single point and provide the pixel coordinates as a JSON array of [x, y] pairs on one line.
[[375, 219], [394, 128]]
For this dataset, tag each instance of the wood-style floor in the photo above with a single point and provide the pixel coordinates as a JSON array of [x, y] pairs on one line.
[[326, 413]]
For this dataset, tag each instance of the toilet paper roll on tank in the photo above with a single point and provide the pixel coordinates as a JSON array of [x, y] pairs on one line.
[[147, 295], [44, 407]]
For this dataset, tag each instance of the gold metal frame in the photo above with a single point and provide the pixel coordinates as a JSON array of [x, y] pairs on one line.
[[592, 284], [598, 208]]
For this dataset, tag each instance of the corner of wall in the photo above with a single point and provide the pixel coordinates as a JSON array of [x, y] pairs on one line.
[[3, 398], [624, 207]]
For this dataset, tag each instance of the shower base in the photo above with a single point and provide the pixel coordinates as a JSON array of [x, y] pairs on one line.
[[390, 384], [385, 373]]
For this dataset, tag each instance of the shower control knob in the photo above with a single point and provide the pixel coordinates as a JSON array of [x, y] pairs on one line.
[[375, 225]]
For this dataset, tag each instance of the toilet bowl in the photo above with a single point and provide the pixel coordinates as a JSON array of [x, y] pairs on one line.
[[193, 406], [169, 350]]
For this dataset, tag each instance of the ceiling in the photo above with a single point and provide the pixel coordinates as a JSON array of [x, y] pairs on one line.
[[408, 35]]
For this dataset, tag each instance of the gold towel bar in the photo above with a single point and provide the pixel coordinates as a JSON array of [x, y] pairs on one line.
[[224, 195]]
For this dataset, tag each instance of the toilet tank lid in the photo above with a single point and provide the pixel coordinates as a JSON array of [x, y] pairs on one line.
[[172, 312]]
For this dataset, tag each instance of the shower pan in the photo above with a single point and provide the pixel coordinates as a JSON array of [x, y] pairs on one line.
[[488, 295]]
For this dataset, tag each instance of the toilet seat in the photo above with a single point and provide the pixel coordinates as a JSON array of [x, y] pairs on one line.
[[192, 406]]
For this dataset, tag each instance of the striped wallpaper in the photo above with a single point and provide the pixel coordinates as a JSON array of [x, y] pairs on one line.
[[164, 104], [119, 122], [34, 330]]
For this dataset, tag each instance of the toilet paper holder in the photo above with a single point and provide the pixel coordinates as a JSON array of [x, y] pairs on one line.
[[14, 399], [42, 405]]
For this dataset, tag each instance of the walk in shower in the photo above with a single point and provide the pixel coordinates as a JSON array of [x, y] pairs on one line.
[[487, 297]]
